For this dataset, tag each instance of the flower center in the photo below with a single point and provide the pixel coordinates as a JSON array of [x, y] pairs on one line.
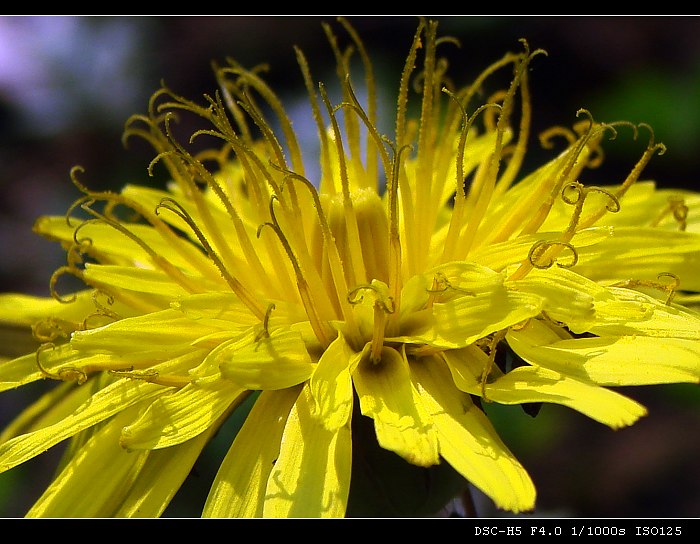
[[364, 251], [360, 230]]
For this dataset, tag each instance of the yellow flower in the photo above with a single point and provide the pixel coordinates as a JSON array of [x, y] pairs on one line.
[[418, 279]]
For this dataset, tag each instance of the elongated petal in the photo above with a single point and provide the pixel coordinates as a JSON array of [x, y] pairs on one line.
[[634, 313], [239, 488], [331, 385], [19, 309], [469, 301], [97, 478], [145, 281], [50, 408], [157, 332], [468, 441], [217, 309], [25, 369], [103, 405], [625, 256], [465, 319], [182, 415], [265, 362], [161, 477], [110, 244], [311, 477], [386, 395], [567, 297], [537, 384], [612, 360]]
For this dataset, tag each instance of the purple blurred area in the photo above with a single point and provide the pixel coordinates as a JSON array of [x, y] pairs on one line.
[[68, 84]]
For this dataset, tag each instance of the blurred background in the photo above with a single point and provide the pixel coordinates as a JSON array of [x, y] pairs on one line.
[[67, 85]]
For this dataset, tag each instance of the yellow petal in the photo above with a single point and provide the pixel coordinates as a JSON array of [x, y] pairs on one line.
[[567, 297], [626, 256], [182, 415], [612, 360], [311, 477], [151, 282], [96, 479], [17, 309], [386, 395], [161, 477], [631, 312], [499, 256], [25, 369], [468, 441], [469, 302], [157, 332], [465, 319], [50, 408], [331, 385], [239, 488], [101, 406], [112, 246], [527, 384], [257, 361], [217, 309]]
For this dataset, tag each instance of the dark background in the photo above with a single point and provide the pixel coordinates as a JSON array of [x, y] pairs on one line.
[[67, 85]]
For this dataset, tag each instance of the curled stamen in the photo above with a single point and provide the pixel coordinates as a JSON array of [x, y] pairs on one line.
[[540, 248], [588, 117], [652, 145], [101, 309], [383, 306], [78, 204], [578, 189], [74, 178], [613, 204], [670, 288], [547, 136], [581, 191], [64, 374], [680, 213], [440, 284], [49, 329], [265, 332], [54, 279], [491, 117], [491, 347], [81, 245], [676, 207], [41, 349], [74, 254], [385, 302]]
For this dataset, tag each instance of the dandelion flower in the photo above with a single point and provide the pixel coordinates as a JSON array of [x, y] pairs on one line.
[[416, 279]]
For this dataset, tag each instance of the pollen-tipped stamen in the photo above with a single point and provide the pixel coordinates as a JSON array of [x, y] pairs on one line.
[[312, 304], [383, 306], [670, 289], [678, 209], [335, 263]]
